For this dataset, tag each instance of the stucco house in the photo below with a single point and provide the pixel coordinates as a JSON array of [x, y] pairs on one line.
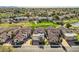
[[38, 35]]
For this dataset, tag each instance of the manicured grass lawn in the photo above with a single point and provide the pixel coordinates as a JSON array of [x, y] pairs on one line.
[[30, 24], [77, 37], [7, 15], [71, 21], [74, 27], [45, 24]]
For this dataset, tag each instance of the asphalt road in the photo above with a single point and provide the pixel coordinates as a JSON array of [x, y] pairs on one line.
[[37, 49], [46, 49]]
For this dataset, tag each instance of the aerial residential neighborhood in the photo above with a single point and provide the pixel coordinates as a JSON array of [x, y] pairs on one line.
[[39, 29]]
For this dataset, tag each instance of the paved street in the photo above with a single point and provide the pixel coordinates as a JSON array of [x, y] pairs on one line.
[[46, 49], [27, 47], [36, 49]]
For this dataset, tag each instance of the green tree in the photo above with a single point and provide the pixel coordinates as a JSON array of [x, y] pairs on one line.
[[56, 17], [68, 25]]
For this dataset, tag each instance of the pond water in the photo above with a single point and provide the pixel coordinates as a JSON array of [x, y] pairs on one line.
[[75, 24]]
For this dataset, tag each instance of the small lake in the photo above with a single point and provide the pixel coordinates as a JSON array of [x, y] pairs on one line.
[[75, 24]]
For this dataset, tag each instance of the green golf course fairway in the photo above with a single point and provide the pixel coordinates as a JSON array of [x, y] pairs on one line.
[[30, 24]]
